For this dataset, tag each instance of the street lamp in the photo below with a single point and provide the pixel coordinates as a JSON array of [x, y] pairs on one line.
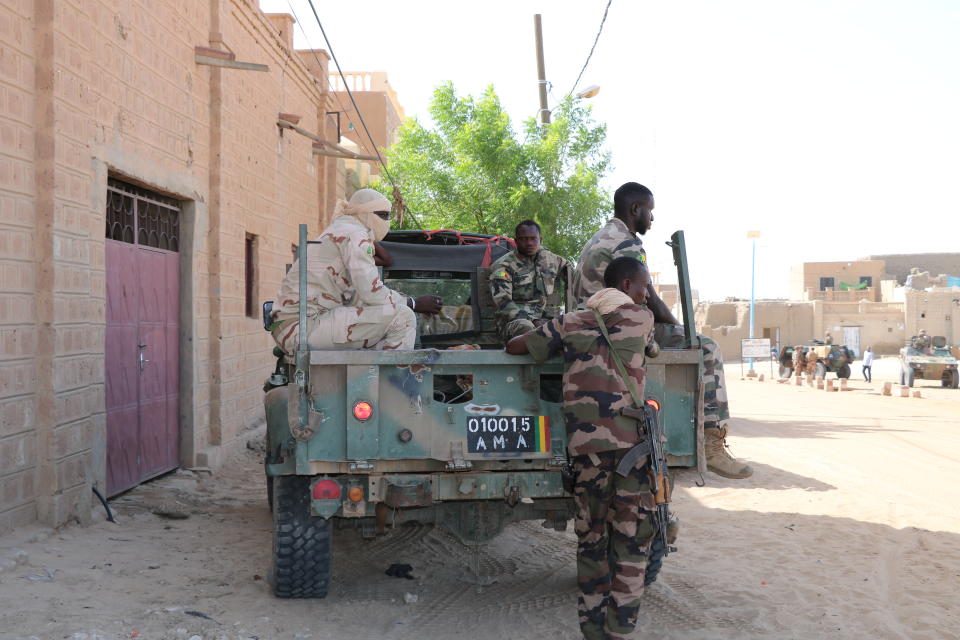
[[589, 92], [752, 235]]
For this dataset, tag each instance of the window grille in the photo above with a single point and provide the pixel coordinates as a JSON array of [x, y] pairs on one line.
[[139, 216]]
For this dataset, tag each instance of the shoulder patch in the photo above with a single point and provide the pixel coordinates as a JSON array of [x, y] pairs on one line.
[[370, 250], [502, 273]]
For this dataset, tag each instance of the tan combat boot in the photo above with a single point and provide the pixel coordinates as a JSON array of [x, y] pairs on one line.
[[719, 459]]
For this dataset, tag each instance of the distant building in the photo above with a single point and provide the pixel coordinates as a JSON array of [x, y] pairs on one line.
[[899, 265], [837, 281], [378, 103]]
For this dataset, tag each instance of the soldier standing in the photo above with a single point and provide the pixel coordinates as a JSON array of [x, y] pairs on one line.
[[633, 214], [522, 280], [799, 361], [348, 306], [615, 517]]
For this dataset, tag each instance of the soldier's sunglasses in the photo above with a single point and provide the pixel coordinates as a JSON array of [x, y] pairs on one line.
[[384, 215]]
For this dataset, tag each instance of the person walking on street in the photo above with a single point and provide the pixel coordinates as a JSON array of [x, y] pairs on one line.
[[868, 365]]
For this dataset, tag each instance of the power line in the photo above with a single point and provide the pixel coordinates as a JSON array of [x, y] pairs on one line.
[[346, 86], [339, 102], [590, 55]]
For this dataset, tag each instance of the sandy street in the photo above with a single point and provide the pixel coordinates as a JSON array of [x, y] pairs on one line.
[[849, 529]]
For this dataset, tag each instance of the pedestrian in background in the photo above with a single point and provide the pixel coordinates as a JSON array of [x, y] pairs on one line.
[[868, 364]]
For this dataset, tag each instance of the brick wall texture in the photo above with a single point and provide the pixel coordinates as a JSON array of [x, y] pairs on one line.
[[91, 89]]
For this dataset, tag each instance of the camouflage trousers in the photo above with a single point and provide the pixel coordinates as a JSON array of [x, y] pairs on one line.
[[377, 327], [615, 527], [716, 410]]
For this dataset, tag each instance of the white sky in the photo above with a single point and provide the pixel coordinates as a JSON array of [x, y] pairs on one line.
[[832, 126]]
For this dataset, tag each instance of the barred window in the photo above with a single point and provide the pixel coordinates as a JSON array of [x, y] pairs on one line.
[[139, 216]]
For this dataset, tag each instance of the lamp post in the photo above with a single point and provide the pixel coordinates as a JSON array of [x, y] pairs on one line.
[[752, 235]]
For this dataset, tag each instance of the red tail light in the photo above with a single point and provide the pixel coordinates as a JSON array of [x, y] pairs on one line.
[[326, 490], [654, 403], [362, 411]]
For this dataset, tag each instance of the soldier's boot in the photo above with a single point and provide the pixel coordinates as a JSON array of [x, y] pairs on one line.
[[719, 459]]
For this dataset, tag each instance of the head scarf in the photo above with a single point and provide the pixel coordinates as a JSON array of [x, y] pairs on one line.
[[362, 205], [607, 300]]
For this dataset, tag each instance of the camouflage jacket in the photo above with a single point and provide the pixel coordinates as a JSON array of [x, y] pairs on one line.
[[340, 273], [614, 240], [520, 285], [593, 392]]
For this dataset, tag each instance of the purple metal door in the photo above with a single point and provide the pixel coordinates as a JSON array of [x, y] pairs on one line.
[[121, 375], [142, 337]]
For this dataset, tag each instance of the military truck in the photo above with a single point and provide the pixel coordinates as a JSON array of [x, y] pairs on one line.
[[928, 359], [831, 358], [457, 433]]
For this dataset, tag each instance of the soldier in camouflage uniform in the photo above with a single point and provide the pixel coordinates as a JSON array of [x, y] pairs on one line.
[[615, 514], [799, 361], [633, 214], [521, 281], [348, 306]]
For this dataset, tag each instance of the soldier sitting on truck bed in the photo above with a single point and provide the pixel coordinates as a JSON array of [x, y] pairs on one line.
[[615, 514], [633, 214], [348, 306], [522, 280]]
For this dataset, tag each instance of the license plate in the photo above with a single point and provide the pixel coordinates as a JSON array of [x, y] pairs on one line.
[[508, 434]]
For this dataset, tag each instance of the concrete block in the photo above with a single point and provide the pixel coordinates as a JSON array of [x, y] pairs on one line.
[[819, 383], [830, 386], [843, 384], [798, 381], [761, 378], [904, 391], [916, 394], [810, 381], [887, 389]]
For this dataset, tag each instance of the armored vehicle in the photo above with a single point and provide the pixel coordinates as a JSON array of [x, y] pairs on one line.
[[831, 358], [457, 432], [930, 358]]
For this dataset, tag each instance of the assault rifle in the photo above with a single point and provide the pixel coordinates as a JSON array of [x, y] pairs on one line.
[[651, 446]]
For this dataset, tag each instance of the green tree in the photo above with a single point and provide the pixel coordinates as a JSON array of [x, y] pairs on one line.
[[472, 172]]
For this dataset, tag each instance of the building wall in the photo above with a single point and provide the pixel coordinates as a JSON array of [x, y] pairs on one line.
[[937, 310], [898, 265], [805, 280], [18, 272], [727, 323], [91, 89], [881, 324]]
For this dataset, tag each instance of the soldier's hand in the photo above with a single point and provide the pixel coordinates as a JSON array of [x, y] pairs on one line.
[[429, 305]]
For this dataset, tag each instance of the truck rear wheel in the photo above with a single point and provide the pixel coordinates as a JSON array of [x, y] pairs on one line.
[[301, 542], [843, 371], [951, 378]]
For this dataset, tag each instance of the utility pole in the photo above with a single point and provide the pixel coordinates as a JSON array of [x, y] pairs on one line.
[[541, 73]]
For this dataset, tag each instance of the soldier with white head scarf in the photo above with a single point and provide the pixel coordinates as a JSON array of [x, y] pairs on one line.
[[348, 306]]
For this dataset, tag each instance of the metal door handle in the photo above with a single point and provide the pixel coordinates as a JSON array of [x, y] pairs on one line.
[[143, 361]]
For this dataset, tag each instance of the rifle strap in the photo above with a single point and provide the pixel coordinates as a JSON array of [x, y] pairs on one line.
[[627, 380]]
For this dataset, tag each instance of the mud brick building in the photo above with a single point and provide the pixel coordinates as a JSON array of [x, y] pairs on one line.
[[149, 202]]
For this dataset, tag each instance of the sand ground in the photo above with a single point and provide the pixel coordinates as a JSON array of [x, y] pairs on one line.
[[849, 528]]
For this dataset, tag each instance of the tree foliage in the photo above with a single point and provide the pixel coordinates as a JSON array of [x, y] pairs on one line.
[[472, 172]]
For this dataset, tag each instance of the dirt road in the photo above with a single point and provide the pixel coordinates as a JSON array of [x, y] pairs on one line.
[[848, 529]]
